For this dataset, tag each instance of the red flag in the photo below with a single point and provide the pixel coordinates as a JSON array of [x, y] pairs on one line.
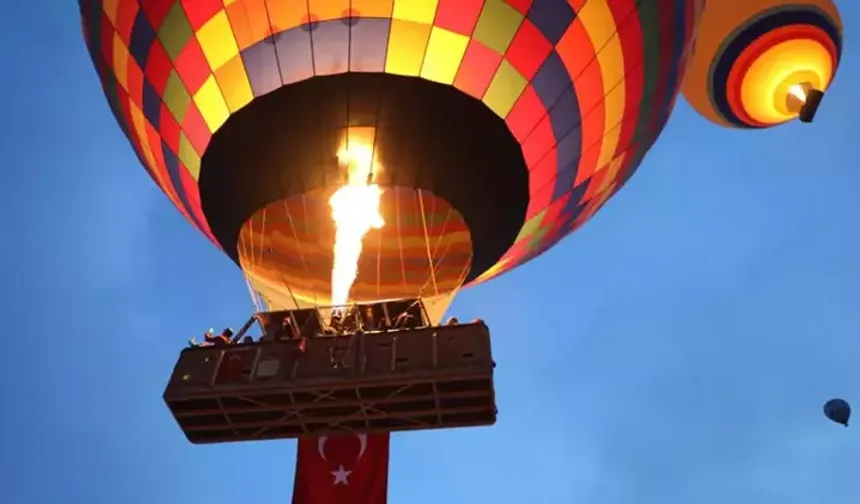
[[346, 469]]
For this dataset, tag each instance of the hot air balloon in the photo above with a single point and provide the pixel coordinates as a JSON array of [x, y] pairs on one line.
[[760, 63], [838, 410], [377, 156]]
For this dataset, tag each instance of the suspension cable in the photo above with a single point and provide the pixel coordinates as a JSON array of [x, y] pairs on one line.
[[298, 244], [289, 290], [254, 294], [248, 270], [439, 258], [430, 261]]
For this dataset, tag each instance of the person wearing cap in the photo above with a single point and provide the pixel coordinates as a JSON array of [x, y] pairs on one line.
[[225, 338]]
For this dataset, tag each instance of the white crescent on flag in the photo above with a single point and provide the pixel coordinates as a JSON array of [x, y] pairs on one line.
[[362, 439]]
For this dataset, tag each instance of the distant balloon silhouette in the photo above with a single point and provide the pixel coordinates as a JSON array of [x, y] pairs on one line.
[[838, 411]]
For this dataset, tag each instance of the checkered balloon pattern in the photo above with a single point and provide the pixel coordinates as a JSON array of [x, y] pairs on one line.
[[585, 86]]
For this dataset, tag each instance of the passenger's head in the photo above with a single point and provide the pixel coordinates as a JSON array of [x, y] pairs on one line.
[[227, 332], [368, 311]]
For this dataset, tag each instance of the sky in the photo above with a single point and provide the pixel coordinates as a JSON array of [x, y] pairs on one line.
[[676, 349]]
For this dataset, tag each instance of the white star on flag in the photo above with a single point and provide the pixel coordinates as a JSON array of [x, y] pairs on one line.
[[341, 475]]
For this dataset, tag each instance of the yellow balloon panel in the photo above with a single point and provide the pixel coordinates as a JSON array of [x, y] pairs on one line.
[[751, 56]]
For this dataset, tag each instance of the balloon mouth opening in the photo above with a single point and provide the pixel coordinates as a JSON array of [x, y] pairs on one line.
[[802, 98], [797, 96], [424, 249]]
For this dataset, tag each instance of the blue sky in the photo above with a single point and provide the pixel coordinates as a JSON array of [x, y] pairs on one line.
[[677, 349]]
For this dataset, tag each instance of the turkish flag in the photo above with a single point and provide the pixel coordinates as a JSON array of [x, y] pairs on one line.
[[344, 469]]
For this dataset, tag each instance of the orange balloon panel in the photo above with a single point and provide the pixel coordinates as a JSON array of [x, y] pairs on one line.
[[749, 55], [424, 249]]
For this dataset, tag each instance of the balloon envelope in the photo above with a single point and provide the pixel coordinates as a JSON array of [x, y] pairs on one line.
[[838, 410], [498, 127]]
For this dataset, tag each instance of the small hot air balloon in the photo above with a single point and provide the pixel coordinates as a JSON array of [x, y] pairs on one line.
[[761, 63], [838, 410]]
